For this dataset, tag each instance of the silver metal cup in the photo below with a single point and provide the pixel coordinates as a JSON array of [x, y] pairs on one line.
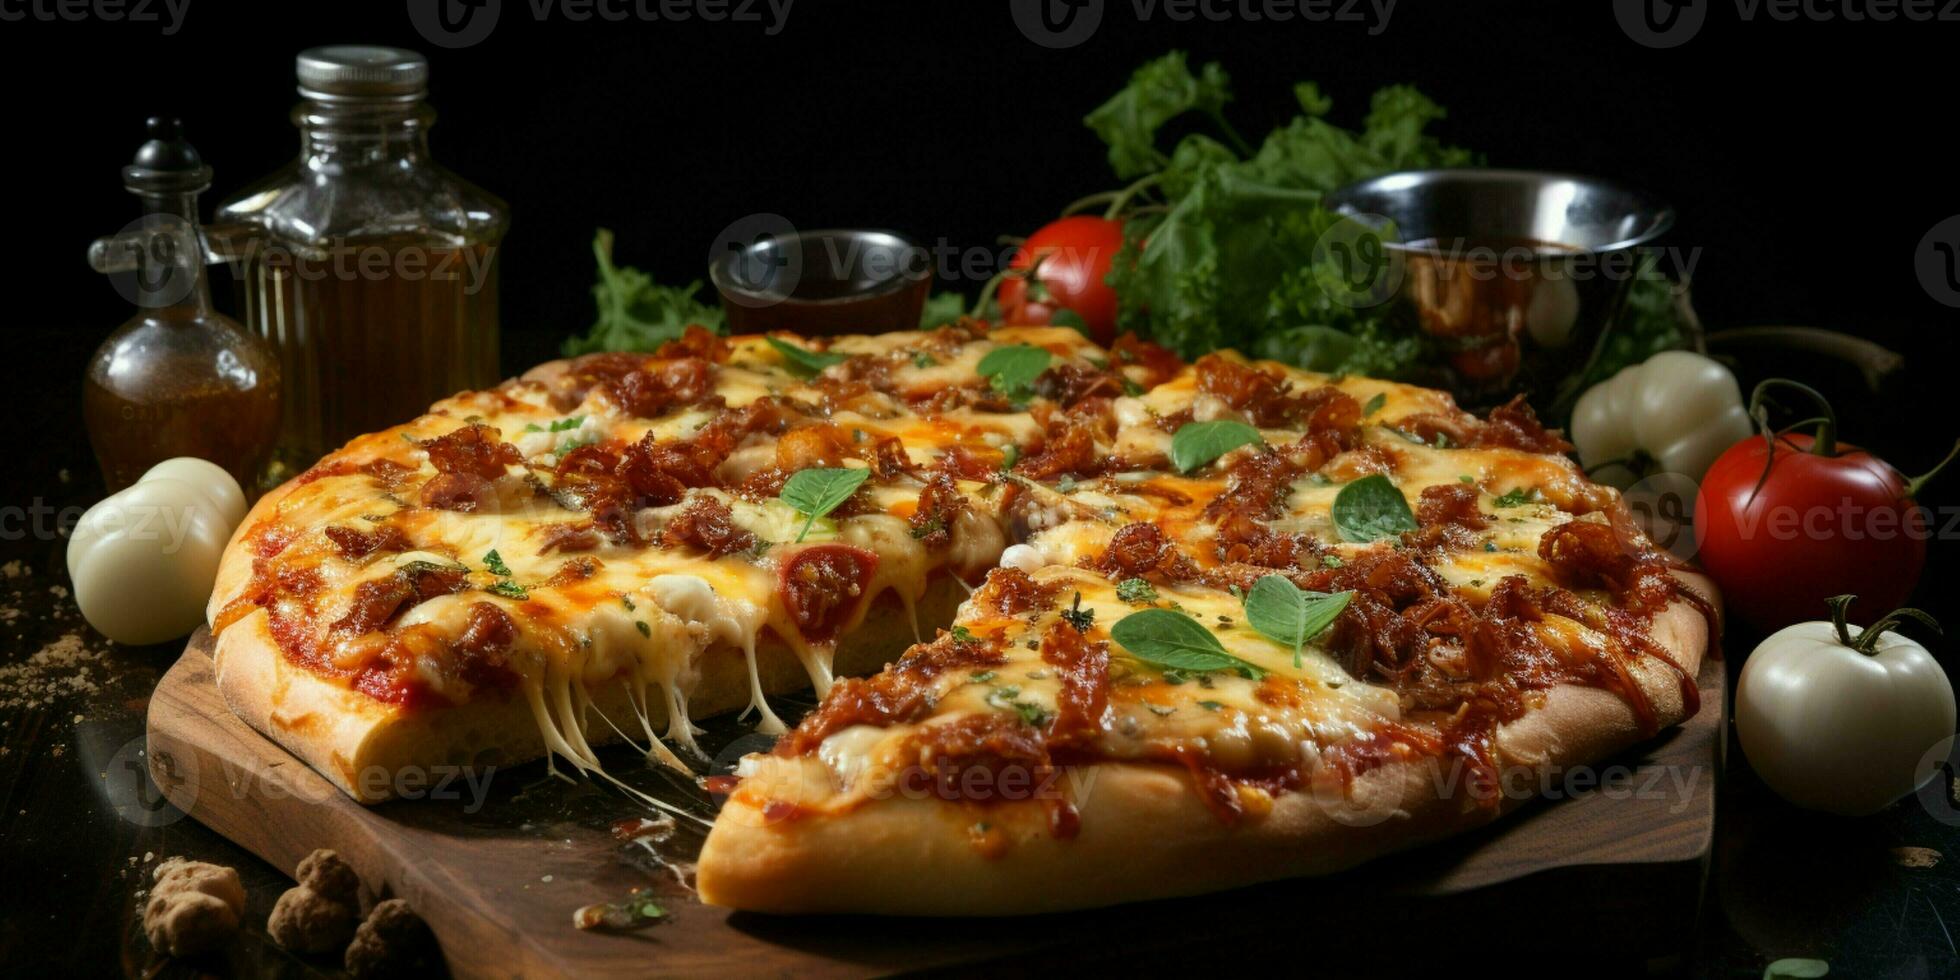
[[1517, 275]]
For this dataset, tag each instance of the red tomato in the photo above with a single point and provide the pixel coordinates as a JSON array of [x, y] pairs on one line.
[[823, 586], [1821, 525], [1073, 256]]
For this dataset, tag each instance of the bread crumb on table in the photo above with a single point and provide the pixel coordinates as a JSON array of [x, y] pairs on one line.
[[193, 908], [320, 912]]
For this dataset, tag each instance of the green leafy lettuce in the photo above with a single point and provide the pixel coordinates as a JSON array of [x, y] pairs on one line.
[[1222, 254]]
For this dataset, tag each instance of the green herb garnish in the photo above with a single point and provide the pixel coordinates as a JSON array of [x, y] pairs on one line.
[[1137, 591], [1370, 509], [1289, 615], [1198, 443], [1012, 369], [508, 589], [803, 360], [1518, 497], [816, 492], [1171, 639], [1078, 617]]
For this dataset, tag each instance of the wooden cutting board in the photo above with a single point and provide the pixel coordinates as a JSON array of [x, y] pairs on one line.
[[499, 878]]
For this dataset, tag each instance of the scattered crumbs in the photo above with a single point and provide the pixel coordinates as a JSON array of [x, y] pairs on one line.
[[546, 879], [58, 751], [14, 569], [58, 591], [65, 667], [78, 719], [1915, 857], [149, 856]]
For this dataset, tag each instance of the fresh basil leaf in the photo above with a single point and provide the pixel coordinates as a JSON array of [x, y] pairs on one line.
[[1289, 615], [1176, 641], [1136, 591], [816, 492], [1374, 404], [495, 563], [1370, 509], [1198, 443], [805, 361], [1012, 369]]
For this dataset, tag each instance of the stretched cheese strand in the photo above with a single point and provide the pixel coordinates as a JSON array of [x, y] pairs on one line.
[[637, 695], [733, 621], [559, 721]]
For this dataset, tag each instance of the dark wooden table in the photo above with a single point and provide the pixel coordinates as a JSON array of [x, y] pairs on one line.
[[81, 826]]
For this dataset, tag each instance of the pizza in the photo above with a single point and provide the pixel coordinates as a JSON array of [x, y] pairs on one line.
[[1086, 625]]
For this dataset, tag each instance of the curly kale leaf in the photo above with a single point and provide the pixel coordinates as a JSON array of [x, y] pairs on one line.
[[636, 313]]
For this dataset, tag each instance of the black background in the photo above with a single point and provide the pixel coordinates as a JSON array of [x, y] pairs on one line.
[[1807, 160]]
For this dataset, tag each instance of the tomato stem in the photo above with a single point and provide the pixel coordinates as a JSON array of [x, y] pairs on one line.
[[1084, 203], [1824, 443], [1122, 198], [1918, 483], [1867, 639], [993, 285]]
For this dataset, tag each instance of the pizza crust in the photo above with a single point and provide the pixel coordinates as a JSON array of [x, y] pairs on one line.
[[366, 746], [1145, 831]]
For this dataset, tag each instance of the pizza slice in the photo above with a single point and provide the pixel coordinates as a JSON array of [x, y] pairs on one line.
[[1355, 630]]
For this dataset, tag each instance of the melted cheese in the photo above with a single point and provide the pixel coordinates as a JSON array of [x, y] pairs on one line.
[[644, 617], [1281, 720]]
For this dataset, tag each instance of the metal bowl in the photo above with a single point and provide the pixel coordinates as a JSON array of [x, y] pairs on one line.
[[1517, 275], [824, 282]]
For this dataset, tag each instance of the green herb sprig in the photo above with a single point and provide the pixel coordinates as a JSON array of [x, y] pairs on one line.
[[816, 492]]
